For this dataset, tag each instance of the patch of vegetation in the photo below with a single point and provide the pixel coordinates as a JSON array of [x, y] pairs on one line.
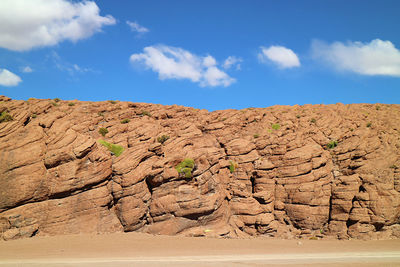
[[71, 104], [103, 131], [33, 115], [186, 167], [313, 120], [5, 116], [233, 166], [256, 135], [276, 126], [112, 102], [369, 124], [378, 107], [298, 116], [332, 144], [100, 114], [393, 167], [57, 100], [351, 129], [125, 121], [54, 104], [145, 113], [223, 119], [161, 139], [113, 148]]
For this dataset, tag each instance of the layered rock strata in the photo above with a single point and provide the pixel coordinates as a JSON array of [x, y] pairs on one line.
[[273, 171]]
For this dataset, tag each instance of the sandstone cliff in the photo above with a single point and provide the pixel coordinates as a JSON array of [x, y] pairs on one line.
[[303, 171]]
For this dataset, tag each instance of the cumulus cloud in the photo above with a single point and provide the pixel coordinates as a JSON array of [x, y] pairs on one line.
[[176, 63], [27, 69], [232, 61], [7, 78], [375, 58], [135, 27], [283, 57], [26, 24]]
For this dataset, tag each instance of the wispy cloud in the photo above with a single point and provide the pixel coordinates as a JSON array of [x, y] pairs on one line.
[[232, 61], [135, 27], [26, 24], [374, 58], [176, 63], [7, 78], [283, 57], [66, 66], [26, 69]]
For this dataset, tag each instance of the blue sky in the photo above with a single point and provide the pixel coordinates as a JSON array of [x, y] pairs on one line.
[[205, 54]]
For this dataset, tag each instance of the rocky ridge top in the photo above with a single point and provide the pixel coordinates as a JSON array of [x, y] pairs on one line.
[[309, 171]]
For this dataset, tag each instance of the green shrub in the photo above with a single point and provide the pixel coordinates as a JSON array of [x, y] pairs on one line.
[[161, 139], [57, 100], [313, 120], [71, 104], [113, 148], [256, 135], [103, 131], [369, 124], [33, 115], [276, 126], [298, 116], [186, 167], [378, 107], [145, 113], [4, 117], [54, 104], [125, 121], [112, 102], [332, 144], [394, 167], [100, 114], [233, 166]]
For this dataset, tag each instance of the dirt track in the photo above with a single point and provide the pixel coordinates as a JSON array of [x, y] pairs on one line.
[[133, 249]]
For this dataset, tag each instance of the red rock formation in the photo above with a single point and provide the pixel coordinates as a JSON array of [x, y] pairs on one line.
[[56, 179]]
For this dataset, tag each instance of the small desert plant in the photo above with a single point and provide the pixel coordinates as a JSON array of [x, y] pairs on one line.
[[57, 100], [351, 129], [276, 126], [145, 113], [186, 167], [256, 135], [100, 114], [233, 166], [125, 121], [33, 115], [103, 131], [54, 104], [112, 102], [4, 117], [161, 139], [313, 120], [332, 144], [298, 116], [71, 104], [369, 124], [393, 167], [113, 148], [378, 107]]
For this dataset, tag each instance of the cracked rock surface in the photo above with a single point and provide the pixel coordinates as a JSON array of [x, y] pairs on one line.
[[258, 171]]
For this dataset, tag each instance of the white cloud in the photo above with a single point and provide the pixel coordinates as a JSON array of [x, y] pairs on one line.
[[135, 27], [283, 57], [7, 78], [27, 69], [68, 67], [231, 61], [176, 63], [375, 58], [26, 24]]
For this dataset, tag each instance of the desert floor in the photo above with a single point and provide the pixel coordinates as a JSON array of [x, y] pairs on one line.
[[135, 249]]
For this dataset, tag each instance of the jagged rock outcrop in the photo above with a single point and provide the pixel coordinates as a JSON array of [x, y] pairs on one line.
[[268, 171]]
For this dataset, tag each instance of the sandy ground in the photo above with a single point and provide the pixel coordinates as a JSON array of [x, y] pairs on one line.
[[135, 249]]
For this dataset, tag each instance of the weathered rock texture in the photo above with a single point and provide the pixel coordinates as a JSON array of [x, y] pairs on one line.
[[55, 178]]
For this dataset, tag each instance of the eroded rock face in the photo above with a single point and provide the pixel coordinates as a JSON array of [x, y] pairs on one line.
[[249, 179]]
